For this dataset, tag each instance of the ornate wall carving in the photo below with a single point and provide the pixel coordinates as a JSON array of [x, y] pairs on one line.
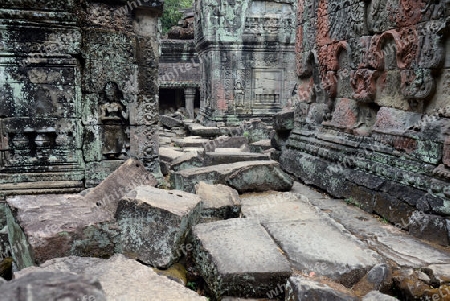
[[246, 57], [373, 80], [75, 90]]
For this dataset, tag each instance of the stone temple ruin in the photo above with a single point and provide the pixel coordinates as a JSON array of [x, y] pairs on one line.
[[372, 112], [71, 108], [247, 51], [145, 166], [179, 70]]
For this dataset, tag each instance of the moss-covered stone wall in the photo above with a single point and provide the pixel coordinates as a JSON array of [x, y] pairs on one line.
[[372, 108], [78, 91]]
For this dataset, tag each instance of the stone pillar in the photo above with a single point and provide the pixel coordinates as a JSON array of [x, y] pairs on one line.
[[189, 97]]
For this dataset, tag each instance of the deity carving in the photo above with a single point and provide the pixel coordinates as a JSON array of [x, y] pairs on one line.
[[239, 95], [113, 115]]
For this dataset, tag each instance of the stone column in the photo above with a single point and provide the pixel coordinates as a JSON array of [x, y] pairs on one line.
[[189, 96]]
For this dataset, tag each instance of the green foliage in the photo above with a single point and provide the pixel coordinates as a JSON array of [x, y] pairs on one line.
[[192, 285], [171, 14], [353, 202], [384, 220]]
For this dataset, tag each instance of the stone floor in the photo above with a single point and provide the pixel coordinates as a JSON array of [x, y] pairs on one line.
[[292, 244]]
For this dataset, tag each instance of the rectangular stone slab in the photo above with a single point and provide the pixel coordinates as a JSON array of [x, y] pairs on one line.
[[219, 201], [237, 257], [232, 157], [243, 176], [43, 227], [129, 175], [313, 242], [121, 279], [155, 223]]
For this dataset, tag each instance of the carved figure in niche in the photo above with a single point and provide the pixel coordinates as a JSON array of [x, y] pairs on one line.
[[366, 119], [114, 117], [238, 95]]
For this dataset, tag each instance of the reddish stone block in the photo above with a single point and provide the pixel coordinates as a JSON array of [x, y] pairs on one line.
[[345, 114]]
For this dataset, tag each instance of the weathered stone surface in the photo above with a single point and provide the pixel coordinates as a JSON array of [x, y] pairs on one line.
[[394, 120], [232, 157], [223, 150], [283, 121], [191, 141], [377, 296], [379, 278], [226, 142], [155, 223], [4, 242], [385, 239], [169, 154], [369, 103], [44, 286], [197, 129], [170, 122], [430, 227], [243, 176], [120, 278], [441, 272], [300, 232], [302, 288], [67, 102], [242, 299], [243, 262], [128, 176], [420, 289], [49, 226], [256, 77], [266, 177], [260, 146], [219, 201], [187, 160]]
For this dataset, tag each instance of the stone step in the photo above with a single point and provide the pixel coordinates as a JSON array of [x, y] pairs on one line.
[[237, 257], [188, 160], [191, 141], [197, 129], [169, 154], [227, 142], [388, 240], [243, 176], [120, 278], [260, 146], [227, 158], [313, 242], [227, 150]]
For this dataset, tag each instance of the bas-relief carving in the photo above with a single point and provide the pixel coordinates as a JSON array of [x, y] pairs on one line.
[[404, 58], [44, 125], [398, 71], [262, 39], [114, 120]]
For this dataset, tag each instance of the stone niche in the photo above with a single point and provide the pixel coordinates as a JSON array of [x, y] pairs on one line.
[[372, 108], [246, 49], [78, 91]]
